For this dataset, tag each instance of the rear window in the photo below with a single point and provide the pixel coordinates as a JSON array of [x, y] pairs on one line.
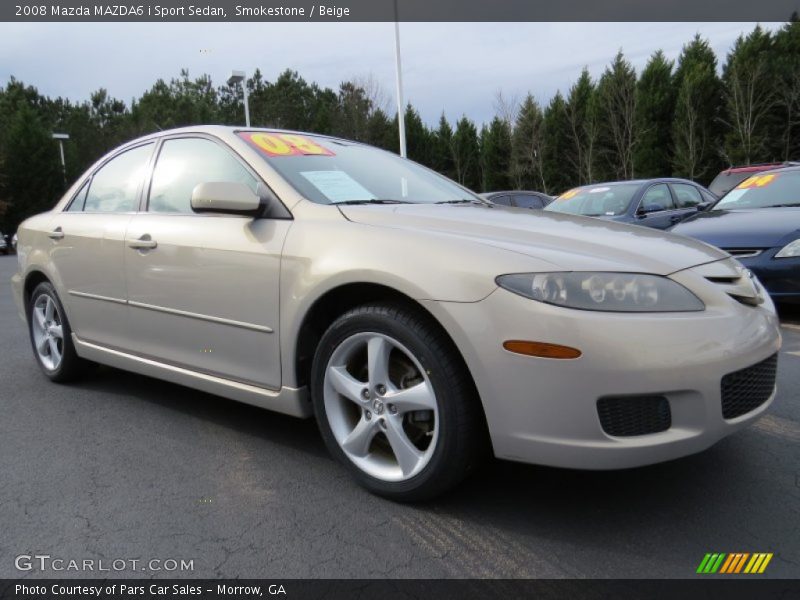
[[764, 190], [596, 201], [726, 181]]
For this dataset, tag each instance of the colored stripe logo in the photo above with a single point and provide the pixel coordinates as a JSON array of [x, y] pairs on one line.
[[735, 562]]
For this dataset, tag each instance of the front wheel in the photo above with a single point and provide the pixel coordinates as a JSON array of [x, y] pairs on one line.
[[395, 403]]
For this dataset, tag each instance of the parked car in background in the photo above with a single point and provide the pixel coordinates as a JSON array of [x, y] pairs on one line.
[[758, 222], [3, 244], [293, 271], [730, 178], [14, 242], [658, 203], [519, 198]]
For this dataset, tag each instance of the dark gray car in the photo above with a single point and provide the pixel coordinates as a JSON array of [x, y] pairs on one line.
[[519, 198]]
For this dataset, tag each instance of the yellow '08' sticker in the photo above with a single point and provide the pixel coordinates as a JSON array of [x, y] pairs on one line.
[[571, 193], [757, 181], [285, 144]]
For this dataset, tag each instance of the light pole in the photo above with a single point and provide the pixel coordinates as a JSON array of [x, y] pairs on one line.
[[61, 137], [239, 77], [401, 120]]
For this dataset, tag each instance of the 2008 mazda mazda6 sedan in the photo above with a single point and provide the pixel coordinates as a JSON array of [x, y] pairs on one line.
[[421, 325]]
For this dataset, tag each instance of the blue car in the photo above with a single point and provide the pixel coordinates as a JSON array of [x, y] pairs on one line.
[[658, 203], [758, 222]]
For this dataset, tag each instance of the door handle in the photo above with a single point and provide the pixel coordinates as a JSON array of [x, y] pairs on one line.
[[56, 234], [143, 243]]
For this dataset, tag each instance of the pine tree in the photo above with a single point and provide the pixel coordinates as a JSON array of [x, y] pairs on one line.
[[616, 96], [527, 144], [556, 178], [582, 108], [496, 156], [466, 154], [655, 108]]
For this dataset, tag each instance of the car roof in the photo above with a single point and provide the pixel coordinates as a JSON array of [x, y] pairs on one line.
[[497, 193], [758, 167], [223, 130], [639, 182]]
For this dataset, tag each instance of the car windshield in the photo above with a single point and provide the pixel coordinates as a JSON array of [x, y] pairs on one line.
[[332, 171], [764, 191], [596, 200]]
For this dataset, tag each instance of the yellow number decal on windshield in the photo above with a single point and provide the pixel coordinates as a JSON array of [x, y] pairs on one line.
[[571, 193], [285, 144], [757, 181]]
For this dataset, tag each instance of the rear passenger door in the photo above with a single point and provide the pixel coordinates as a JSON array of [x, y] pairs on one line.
[[203, 288], [657, 207], [87, 246]]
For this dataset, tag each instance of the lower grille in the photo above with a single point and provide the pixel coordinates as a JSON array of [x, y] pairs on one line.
[[627, 416], [745, 390]]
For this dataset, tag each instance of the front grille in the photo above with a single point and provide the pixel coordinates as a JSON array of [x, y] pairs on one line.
[[626, 416], [745, 390]]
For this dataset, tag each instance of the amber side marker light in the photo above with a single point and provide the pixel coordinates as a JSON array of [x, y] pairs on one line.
[[541, 349]]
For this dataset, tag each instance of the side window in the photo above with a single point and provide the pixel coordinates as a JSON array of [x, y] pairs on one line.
[[184, 163], [656, 198], [528, 201], [79, 199], [687, 196], [115, 187], [502, 200]]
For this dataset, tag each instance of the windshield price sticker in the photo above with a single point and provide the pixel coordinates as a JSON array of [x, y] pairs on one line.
[[757, 181], [570, 194], [285, 144]]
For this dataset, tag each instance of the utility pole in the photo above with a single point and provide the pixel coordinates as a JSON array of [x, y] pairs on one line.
[[401, 121]]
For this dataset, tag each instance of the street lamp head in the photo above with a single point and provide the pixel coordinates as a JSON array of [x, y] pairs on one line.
[[236, 77], [60, 136]]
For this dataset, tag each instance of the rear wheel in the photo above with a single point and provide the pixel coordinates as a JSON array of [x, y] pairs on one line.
[[51, 335], [395, 403]]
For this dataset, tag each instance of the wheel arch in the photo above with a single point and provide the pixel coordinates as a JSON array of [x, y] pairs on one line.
[[33, 278]]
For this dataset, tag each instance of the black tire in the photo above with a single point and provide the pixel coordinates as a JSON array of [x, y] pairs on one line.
[[462, 441], [71, 366]]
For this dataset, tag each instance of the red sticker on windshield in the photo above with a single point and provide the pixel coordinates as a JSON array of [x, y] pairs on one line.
[[285, 144]]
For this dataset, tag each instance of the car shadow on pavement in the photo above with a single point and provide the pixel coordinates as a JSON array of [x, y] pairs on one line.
[[298, 434]]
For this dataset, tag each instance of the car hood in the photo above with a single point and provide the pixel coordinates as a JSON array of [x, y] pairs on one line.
[[565, 241], [753, 228]]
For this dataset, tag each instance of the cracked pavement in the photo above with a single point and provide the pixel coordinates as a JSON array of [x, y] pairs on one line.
[[121, 466]]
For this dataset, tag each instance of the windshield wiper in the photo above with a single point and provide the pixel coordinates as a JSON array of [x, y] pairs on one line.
[[782, 205], [372, 201], [463, 201]]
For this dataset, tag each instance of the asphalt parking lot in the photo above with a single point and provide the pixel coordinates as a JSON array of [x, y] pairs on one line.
[[120, 466]]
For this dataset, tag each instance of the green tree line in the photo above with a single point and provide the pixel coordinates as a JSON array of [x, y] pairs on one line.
[[688, 118]]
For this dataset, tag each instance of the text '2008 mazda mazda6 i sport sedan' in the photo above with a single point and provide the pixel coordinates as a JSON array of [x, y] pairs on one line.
[[421, 325]]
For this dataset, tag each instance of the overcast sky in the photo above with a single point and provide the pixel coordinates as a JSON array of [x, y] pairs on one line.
[[455, 67]]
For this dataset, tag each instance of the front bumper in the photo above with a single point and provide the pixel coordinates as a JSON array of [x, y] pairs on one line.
[[544, 411], [781, 276]]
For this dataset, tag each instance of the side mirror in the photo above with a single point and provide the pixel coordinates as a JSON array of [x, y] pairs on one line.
[[225, 197], [651, 208], [704, 206]]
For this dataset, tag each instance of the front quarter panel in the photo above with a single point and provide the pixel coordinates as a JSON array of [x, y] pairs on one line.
[[324, 251]]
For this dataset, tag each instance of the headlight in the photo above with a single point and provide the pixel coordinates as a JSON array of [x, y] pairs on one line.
[[790, 250], [613, 292]]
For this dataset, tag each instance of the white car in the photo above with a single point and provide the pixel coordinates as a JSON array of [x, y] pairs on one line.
[[423, 326]]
